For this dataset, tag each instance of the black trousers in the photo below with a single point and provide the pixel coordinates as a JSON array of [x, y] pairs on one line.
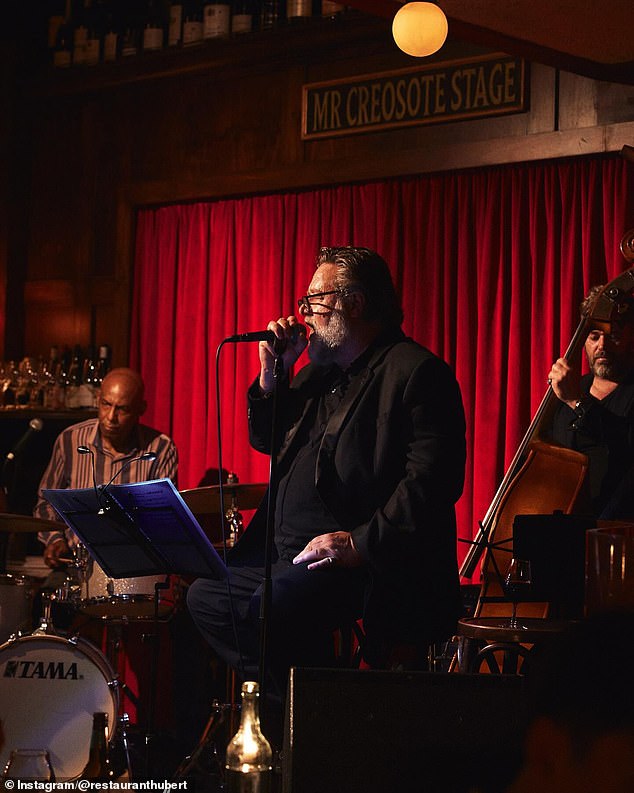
[[306, 607]]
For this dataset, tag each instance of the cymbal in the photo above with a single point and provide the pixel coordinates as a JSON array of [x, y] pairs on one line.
[[206, 500], [26, 523]]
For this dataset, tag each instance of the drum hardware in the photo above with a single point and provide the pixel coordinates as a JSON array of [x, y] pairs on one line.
[[204, 759], [234, 521], [232, 515], [122, 599], [123, 724], [16, 595], [14, 523], [205, 503], [46, 627], [154, 640], [114, 626], [114, 633], [69, 592], [206, 500]]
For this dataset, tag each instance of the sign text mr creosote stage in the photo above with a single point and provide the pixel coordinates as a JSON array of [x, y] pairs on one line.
[[479, 87]]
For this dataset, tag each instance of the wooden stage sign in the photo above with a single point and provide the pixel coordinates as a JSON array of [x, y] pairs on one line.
[[489, 85]]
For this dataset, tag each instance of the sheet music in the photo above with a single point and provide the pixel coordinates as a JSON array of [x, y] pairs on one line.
[[144, 528]]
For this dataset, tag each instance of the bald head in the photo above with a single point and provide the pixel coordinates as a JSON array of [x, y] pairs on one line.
[[121, 404], [128, 378]]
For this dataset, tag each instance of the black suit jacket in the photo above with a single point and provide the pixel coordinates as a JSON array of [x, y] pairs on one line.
[[390, 469]]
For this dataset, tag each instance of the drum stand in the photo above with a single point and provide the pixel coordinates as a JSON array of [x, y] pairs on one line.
[[114, 633], [46, 626], [206, 752], [154, 661]]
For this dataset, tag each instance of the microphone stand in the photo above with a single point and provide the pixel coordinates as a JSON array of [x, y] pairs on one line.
[[265, 602]]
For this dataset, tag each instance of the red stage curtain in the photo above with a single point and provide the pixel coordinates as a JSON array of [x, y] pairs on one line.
[[491, 263]]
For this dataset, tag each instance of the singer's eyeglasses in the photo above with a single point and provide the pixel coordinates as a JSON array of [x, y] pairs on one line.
[[305, 301]]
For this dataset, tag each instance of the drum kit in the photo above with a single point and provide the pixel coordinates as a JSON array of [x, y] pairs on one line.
[[52, 683]]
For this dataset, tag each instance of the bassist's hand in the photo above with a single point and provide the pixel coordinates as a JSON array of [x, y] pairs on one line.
[[565, 380]]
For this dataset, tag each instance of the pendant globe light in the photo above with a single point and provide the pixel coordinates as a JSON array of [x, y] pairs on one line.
[[420, 29]]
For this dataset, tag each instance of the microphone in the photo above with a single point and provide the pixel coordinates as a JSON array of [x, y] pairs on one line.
[[269, 336], [101, 491], [104, 488], [256, 335], [88, 450], [35, 425]]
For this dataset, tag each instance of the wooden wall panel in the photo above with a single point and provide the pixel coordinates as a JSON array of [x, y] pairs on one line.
[[225, 121]]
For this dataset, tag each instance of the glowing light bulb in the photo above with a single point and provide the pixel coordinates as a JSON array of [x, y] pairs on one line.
[[420, 28]]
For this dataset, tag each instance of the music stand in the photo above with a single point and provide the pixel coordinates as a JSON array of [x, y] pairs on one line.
[[139, 529]]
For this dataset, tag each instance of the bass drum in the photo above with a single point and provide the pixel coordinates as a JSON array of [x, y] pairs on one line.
[[50, 687]]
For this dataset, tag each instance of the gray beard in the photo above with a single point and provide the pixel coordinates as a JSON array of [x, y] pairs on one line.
[[324, 345], [605, 371]]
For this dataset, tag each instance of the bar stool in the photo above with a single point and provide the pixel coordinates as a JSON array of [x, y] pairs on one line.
[[487, 640]]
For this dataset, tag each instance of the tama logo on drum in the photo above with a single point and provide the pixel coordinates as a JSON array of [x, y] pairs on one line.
[[44, 670]]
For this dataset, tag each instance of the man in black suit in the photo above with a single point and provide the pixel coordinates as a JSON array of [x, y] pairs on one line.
[[370, 464]]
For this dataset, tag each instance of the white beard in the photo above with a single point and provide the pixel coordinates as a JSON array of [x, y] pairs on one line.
[[325, 344]]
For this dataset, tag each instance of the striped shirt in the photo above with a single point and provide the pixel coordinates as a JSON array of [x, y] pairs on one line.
[[70, 469]]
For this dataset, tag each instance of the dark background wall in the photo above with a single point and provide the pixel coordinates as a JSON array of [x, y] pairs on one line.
[[81, 149]]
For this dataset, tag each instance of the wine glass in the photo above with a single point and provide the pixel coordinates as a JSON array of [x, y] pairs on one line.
[[32, 765], [517, 585]]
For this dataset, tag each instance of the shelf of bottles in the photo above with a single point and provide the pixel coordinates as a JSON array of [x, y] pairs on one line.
[[70, 379], [84, 33]]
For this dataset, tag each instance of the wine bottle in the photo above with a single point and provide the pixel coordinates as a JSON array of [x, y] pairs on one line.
[[80, 36], [216, 19], [192, 23], [74, 379], [154, 28], [330, 9], [50, 384], [273, 14], [299, 10], [249, 759], [103, 365], [242, 16], [63, 49], [56, 19], [97, 769], [53, 359], [130, 31], [175, 29], [62, 377], [90, 385], [111, 35], [92, 16]]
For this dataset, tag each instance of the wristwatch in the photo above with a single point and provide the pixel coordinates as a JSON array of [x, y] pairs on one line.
[[582, 406]]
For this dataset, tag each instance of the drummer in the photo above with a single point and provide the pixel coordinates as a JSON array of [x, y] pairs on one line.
[[115, 438]]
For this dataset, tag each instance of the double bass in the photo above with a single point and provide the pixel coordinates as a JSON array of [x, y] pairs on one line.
[[543, 477]]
